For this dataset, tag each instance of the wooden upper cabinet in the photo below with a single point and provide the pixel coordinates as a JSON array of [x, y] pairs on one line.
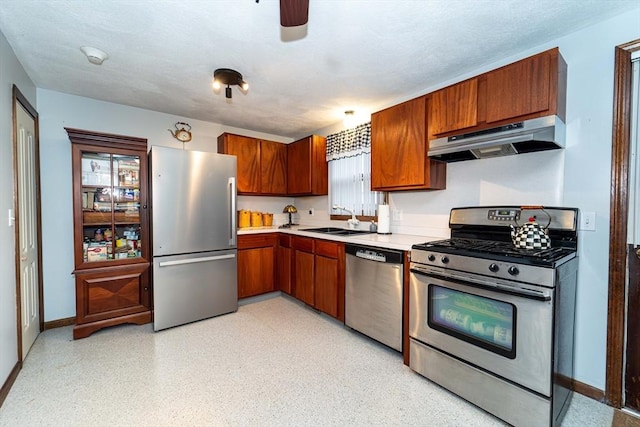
[[273, 167], [530, 88], [399, 150], [526, 87], [307, 171], [247, 150], [262, 164], [454, 107]]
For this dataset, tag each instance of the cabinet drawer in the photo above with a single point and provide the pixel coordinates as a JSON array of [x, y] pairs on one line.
[[284, 240], [327, 248], [249, 241], [304, 244]]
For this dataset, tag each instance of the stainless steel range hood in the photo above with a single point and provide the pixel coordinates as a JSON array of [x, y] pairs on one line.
[[543, 133]]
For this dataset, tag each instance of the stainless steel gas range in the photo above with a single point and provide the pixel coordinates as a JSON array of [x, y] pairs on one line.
[[492, 323]]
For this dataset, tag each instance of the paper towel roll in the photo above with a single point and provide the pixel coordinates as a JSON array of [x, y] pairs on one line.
[[384, 220]]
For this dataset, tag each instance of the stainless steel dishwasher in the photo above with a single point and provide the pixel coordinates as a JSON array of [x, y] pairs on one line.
[[373, 293]]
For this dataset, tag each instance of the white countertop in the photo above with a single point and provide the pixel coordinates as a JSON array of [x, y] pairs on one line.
[[389, 241]]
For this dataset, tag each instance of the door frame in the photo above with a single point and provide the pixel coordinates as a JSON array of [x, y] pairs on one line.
[[18, 97], [619, 213]]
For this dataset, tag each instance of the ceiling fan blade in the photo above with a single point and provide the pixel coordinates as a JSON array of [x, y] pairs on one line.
[[294, 12]]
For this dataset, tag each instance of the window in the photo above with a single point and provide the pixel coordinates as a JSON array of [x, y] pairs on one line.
[[349, 157]]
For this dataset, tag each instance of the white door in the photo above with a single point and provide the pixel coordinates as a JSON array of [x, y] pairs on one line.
[[27, 226]]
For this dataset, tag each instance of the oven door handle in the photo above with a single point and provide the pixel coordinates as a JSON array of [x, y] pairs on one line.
[[524, 293]]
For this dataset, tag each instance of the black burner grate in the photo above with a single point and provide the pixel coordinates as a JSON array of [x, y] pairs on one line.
[[487, 248]]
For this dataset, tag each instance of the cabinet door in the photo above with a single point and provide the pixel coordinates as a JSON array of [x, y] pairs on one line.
[[326, 285], [454, 107], [112, 293], [304, 277], [255, 271], [109, 219], [299, 167], [307, 170], [519, 89], [247, 150], [283, 265], [399, 146], [273, 166]]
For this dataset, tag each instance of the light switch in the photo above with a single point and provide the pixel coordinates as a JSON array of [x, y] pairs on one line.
[[588, 221]]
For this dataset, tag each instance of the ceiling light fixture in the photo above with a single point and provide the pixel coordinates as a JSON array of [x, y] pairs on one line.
[[94, 55], [228, 77], [350, 119]]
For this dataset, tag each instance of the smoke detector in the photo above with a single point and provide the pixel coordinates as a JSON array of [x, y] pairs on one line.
[[94, 55]]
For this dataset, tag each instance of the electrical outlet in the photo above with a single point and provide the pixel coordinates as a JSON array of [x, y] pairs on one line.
[[312, 211], [397, 215], [588, 221]]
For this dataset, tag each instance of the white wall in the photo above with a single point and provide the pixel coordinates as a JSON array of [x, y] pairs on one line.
[[11, 72], [57, 111]]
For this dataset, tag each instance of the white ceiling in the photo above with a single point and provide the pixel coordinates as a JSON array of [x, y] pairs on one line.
[[356, 54]]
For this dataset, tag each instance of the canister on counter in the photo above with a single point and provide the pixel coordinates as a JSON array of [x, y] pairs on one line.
[[267, 219], [244, 218], [256, 219]]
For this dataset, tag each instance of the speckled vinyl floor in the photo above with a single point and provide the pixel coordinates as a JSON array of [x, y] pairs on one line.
[[273, 363]]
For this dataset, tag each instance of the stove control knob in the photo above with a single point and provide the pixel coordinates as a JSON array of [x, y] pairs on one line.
[[494, 267], [513, 270], [431, 258], [445, 259]]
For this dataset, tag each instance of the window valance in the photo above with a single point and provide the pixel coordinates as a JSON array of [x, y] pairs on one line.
[[350, 142]]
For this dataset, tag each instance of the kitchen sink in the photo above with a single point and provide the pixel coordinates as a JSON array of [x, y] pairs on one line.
[[335, 231]]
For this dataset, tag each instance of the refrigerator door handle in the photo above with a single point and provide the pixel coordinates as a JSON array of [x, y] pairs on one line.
[[195, 260], [232, 204]]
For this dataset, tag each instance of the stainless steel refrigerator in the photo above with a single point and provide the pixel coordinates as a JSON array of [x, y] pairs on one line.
[[193, 211]]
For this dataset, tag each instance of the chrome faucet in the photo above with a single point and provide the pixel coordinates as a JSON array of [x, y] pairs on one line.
[[353, 222]]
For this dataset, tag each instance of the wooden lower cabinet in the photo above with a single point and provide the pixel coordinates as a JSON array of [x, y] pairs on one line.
[[256, 264], [284, 265], [319, 274], [311, 270], [111, 296], [326, 285], [304, 274]]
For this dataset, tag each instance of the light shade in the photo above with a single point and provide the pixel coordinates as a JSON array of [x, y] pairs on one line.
[[228, 77], [350, 119]]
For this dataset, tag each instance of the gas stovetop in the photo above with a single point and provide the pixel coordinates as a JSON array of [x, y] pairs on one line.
[[498, 251]]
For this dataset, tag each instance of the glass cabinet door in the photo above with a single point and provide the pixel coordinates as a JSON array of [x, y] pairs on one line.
[[110, 206]]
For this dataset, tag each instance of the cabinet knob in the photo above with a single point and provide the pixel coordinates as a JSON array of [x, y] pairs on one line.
[[146, 289], [144, 206]]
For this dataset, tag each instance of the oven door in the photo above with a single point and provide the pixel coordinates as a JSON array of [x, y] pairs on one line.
[[490, 327]]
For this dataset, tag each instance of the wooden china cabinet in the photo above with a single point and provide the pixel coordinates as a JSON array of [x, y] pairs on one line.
[[111, 230]]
